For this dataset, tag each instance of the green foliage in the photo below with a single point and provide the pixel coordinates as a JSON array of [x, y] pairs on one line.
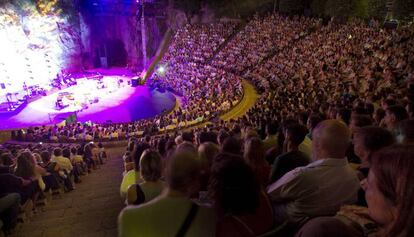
[[360, 9], [68, 10], [377, 9], [235, 8], [318, 7], [340, 9], [404, 9]]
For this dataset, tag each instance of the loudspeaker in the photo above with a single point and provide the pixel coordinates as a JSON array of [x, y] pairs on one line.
[[391, 24], [134, 82], [104, 62]]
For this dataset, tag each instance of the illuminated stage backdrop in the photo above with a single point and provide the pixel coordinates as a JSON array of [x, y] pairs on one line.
[[37, 40]]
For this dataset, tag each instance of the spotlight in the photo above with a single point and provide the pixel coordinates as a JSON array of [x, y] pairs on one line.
[[161, 70]]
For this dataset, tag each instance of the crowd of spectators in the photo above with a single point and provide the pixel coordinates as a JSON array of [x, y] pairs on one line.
[[259, 37], [335, 100], [207, 91], [198, 42], [32, 174], [326, 151], [224, 169]]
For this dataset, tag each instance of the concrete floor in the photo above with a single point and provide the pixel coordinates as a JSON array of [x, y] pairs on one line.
[[90, 210]]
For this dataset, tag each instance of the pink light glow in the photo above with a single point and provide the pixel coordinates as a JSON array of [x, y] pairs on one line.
[[32, 51]]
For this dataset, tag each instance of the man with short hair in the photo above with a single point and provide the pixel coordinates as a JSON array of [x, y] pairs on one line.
[[393, 115], [320, 188], [63, 162], [271, 139], [406, 131], [292, 158], [172, 212]]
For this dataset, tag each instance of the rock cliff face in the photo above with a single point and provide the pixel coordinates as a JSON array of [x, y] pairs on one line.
[[37, 42], [105, 30], [41, 38]]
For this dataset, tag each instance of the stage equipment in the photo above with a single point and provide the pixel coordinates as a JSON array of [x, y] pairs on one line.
[[137, 81], [391, 24]]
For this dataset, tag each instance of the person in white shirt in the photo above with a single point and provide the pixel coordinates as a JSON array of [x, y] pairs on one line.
[[320, 188]]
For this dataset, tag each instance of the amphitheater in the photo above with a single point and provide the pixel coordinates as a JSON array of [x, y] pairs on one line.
[[154, 118]]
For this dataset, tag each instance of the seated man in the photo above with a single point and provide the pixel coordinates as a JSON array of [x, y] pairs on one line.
[[9, 210], [172, 213], [63, 162], [393, 116], [293, 158], [320, 188]]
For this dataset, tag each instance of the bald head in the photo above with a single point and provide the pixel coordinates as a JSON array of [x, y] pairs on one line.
[[331, 139]]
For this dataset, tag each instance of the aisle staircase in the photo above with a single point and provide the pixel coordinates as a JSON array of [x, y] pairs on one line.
[[90, 210], [273, 52], [236, 30]]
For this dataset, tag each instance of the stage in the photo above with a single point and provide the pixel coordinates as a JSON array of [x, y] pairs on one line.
[[110, 98]]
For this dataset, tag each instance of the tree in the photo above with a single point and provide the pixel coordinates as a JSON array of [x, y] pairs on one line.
[[403, 9], [318, 7], [189, 7], [234, 8], [377, 9], [291, 6], [340, 9]]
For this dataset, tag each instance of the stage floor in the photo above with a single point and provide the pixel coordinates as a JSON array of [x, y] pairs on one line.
[[117, 103]]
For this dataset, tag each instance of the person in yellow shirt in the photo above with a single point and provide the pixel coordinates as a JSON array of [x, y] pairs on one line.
[[63, 162], [172, 213], [133, 176], [151, 186]]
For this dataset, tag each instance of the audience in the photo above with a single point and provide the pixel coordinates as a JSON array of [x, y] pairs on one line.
[[393, 115], [254, 156], [172, 213], [242, 206], [324, 84], [133, 176], [389, 191], [292, 157], [150, 167], [298, 195], [9, 210]]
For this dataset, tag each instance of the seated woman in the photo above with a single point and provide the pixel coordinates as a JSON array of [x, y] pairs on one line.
[[76, 170], [254, 155], [127, 157], [128, 162], [27, 169], [389, 190], [242, 206], [77, 160], [389, 194], [132, 176], [52, 180], [151, 186]]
